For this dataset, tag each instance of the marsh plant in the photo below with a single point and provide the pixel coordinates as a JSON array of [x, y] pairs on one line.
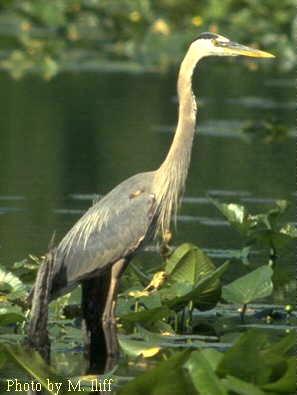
[[185, 321]]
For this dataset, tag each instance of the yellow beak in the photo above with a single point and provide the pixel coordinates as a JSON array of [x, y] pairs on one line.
[[234, 49]]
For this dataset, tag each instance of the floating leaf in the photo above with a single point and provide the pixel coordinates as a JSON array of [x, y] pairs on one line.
[[136, 348], [148, 315], [252, 286]]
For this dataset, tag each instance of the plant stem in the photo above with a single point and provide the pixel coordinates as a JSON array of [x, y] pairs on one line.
[[242, 313], [272, 256]]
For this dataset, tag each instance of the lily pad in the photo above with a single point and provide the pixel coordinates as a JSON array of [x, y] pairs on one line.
[[148, 315], [136, 348]]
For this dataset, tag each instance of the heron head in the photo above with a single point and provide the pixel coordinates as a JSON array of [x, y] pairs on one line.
[[211, 44]]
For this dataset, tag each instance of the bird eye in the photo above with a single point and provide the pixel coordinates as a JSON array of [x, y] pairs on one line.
[[215, 42]]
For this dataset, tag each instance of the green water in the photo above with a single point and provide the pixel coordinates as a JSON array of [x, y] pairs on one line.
[[82, 133]]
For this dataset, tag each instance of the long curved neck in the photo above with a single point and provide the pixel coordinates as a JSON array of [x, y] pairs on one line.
[[183, 139], [171, 176]]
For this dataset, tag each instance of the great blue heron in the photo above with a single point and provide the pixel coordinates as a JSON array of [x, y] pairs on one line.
[[107, 236]]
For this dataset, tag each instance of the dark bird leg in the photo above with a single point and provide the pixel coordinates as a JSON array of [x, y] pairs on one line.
[[98, 310], [37, 336], [109, 318], [94, 294]]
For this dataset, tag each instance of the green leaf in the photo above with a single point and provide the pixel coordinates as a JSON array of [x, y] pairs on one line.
[[252, 286], [289, 230], [241, 387], [286, 344], [147, 315], [279, 209], [2, 358], [246, 359], [287, 383], [261, 228], [214, 357], [26, 269], [185, 270], [236, 214], [177, 256], [136, 348], [11, 285], [207, 291], [168, 377], [192, 266], [192, 276], [10, 314], [176, 290], [202, 374], [205, 285], [32, 363]]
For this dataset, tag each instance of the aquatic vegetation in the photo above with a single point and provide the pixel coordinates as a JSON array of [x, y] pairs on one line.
[[253, 365], [182, 305], [47, 37], [264, 230], [266, 131]]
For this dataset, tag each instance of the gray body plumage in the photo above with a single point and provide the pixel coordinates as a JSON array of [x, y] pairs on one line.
[[111, 229]]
